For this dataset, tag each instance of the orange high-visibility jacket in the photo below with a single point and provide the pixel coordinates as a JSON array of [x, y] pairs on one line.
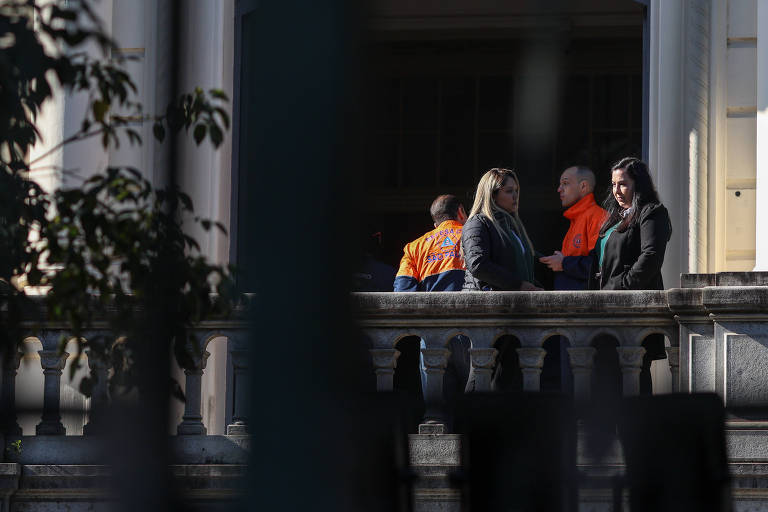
[[586, 218], [433, 261]]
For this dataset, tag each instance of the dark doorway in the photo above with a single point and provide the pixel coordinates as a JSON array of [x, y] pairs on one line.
[[445, 107]]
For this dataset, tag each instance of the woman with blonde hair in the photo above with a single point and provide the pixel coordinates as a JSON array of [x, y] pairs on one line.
[[497, 251]]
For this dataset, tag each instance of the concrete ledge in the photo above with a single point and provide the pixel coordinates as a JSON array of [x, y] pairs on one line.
[[75, 486], [739, 299], [10, 474], [9, 469], [435, 450], [94, 450], [747, 445], [511, 304], [61, 477], [724, 279], [209, 477], [210, 449], [61, 450]]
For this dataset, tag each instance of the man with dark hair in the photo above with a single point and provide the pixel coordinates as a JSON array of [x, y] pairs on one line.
[[433, 263], [445, 207]]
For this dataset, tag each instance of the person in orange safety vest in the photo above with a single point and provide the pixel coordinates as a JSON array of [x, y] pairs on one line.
[[434, 263], [572, 264]]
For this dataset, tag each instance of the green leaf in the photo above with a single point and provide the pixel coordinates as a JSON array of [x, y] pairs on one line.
[[199, 133], [218, 93], [100, 109], [217, 137]]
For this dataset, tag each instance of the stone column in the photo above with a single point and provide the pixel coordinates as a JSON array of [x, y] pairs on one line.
[[531, 361], [8, 423], [761, 184], [435, 362], [673, 355], [667, 143], [631, 361], [99, 367], [52, 362], [192, 421], [239, 425], [483, 362], [384, 364], [582, 360]]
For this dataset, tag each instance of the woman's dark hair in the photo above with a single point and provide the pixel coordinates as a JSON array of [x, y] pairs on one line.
[[645, 193]]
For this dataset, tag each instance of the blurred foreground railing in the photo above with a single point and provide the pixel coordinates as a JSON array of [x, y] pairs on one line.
[[52, 360]]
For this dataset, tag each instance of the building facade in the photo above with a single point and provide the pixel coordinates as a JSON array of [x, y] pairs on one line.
[[457, 87]]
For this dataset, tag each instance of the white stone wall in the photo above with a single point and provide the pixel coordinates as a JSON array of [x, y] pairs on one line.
[[207, 60], [142, 30], [739, 195]]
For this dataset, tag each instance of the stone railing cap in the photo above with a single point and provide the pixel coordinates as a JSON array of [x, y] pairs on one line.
[[528, 304]]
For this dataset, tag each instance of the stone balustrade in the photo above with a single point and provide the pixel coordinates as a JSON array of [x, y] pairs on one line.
[[716, 327], [52, 359], [531, 317], [724, 333]]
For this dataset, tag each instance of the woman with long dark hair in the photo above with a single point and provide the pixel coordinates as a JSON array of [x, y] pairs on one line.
[[629, 253]]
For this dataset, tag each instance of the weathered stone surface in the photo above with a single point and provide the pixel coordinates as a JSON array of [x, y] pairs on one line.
[[685, 300], [432, 428], [87, 487], [45, 450], [697, 280], [437, 500], [747, 369], [94, 450], [702, 368], [65, 476], [747, 445], [724, 279], [741, 299], [225, 477], [210, 449], [431, 450], [510, 304]]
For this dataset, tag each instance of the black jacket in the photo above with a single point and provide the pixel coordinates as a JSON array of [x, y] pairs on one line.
[[493, 262], [632, 260]]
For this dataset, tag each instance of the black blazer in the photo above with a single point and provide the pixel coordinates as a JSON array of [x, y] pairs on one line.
[[632, 260], [492, 263]]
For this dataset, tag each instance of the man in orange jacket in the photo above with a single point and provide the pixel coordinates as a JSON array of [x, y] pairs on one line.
[[571, 265], [434, 263]]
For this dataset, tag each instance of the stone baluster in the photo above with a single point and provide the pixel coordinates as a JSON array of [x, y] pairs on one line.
[[631, 361], [435, 362], [582, 361], [99, 366], [384, 364], [483, 362], [240, 380], [531, 362], [53, 362], [673, 355], [192, 421], [8, 420]]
